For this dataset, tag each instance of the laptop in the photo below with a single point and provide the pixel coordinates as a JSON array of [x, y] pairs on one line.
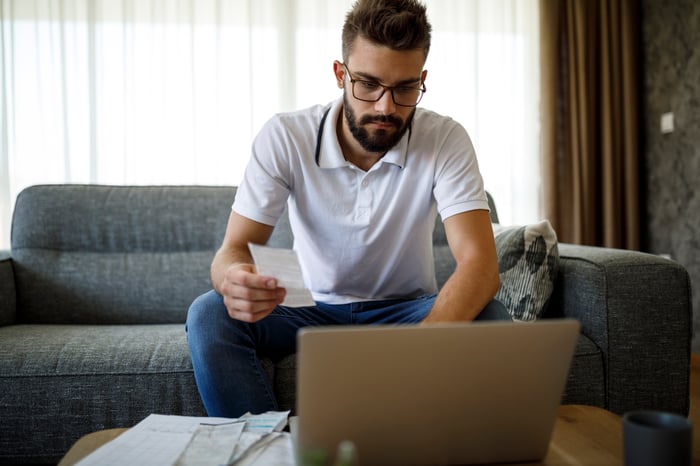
[[465, 393]]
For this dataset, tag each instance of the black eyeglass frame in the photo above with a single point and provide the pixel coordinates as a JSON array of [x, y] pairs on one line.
[[391, 89]]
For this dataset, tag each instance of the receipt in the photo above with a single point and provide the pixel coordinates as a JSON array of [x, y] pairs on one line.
[[283, 264], [211, 444]]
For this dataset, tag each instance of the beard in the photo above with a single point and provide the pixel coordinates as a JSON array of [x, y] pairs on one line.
[[381, 140]]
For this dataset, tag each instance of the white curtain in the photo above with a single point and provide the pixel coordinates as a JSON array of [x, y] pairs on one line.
[[173, 91]]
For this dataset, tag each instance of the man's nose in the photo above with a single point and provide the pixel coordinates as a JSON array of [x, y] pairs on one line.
[[385, 105]]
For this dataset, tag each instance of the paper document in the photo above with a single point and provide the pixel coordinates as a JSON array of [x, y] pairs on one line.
[[271, 421], [193, 441], [157, 440], [272, 449], [255, 436], [211, 444], [283, 264]]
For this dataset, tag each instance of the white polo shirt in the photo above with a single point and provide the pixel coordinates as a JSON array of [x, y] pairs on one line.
[[361, 235]]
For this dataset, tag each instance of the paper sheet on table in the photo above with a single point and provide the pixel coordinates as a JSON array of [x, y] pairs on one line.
[[270, 421], [283, 264], [157, 440], [164, 440], [211, 444], [272, 449], [255, 435], [279, 452]]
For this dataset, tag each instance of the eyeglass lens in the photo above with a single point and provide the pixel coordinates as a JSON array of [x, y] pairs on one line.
[[372, 92]]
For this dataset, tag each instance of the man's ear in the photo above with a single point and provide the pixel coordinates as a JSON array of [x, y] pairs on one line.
[[339, 71]]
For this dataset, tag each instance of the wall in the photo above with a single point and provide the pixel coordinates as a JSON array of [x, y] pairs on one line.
[[671, 40]]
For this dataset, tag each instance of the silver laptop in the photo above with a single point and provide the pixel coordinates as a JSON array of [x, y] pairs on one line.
[[467, 393]]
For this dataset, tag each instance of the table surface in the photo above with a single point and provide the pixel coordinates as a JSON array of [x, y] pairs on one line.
[[583, 435]]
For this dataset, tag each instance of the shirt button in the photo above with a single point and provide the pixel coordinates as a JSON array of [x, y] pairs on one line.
[[365, 183]]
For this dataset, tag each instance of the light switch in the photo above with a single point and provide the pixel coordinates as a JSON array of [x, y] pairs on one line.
[[667, 123]]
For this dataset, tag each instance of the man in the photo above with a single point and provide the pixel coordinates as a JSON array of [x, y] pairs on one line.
[[364, 179]]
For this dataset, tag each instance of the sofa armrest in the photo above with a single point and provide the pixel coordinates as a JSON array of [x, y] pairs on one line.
[[8, 297], [637, 308]]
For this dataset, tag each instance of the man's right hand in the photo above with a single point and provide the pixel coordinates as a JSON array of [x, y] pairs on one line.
[[249, 297]]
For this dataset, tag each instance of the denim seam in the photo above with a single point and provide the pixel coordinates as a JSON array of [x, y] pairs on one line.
[[263, 380]]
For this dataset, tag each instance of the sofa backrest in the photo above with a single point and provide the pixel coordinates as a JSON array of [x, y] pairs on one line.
[[95, 254], [114, 254]]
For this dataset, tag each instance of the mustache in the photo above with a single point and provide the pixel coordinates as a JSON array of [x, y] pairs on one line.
[[381, 119]]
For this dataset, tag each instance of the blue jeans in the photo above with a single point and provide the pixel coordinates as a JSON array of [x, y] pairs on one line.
[[226, 352]]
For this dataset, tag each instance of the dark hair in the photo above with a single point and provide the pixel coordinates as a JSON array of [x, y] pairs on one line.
[[397, 24]]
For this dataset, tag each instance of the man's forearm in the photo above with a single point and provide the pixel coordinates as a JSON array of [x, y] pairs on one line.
[[465, 294]]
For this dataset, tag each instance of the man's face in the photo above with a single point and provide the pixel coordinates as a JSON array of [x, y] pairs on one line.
[[379, 126], [375, 133]]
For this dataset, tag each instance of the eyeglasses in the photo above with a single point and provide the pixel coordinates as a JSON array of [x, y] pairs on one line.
[[372, 91]]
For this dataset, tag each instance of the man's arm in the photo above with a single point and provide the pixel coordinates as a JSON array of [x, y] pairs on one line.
[[475, 280], [248, 296]]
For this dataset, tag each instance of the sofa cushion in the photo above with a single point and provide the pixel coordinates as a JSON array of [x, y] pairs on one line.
[[81, 287], [91, 254], [58, 379], [60, 350], [586, 379], [528, 260]]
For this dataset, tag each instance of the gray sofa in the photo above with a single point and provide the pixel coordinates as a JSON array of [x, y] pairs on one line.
[[95, 289]]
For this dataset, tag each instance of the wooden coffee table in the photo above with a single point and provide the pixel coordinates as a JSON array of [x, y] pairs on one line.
[[583, 435]]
